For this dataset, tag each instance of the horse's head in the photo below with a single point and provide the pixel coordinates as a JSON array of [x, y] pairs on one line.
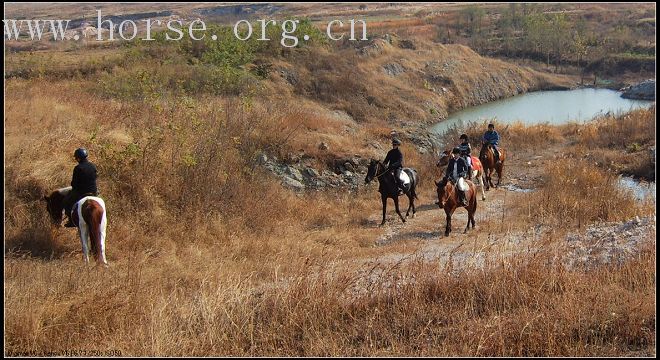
[[444, 158], [485, 150], [372, 171], [444, 191], [55, 204]]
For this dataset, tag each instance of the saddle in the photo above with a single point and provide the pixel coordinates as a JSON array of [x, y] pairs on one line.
[[476, 164], [406, 179]]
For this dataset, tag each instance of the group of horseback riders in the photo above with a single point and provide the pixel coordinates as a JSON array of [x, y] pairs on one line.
[[459, 167], [83, 182]]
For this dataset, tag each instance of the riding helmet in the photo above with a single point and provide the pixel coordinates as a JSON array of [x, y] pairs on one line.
[[456, 151], [491, 126], [396, 141], [80, 153], [464, 136]]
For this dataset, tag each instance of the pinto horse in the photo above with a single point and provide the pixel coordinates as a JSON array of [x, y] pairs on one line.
[[477, 169], [487, 157], [89, 209], [388, 188], [448, 200]]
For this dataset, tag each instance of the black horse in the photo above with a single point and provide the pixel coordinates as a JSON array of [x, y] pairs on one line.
[[389, 189]]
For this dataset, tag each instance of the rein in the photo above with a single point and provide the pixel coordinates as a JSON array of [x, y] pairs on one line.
[[381, 174]]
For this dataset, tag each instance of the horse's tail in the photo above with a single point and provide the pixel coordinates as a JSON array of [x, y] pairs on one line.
[[415, 182], [95, 223]]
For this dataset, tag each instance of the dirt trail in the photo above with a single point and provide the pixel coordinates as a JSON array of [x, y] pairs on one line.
[[494, 238], [424, 234]]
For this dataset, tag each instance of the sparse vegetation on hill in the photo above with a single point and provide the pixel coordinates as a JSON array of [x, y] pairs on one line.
[[211, 255]]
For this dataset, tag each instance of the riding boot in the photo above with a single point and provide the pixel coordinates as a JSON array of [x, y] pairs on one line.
[[462, 198], [399, 183]]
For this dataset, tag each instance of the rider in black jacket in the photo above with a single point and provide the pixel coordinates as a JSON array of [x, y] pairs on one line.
[[394, 161], [456, 169], [83, 183], [466, 150]]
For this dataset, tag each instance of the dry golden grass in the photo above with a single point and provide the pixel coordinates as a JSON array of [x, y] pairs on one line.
[[622, 144], [211, 256], [575, 193], [515, 137], [177, 305]]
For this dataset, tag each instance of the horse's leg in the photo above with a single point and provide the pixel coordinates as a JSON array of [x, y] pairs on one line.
[[97, 235], [471, 208], [480, 180], [484, 178], [499, 173], [384, 199], [490, 177], [396, 206], [412, 201], [84, 238], [448, 227], [409, 204], [104, 223], [469, 194]]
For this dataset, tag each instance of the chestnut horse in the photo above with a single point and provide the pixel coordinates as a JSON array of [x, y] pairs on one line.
[[477, 169], [91, 229], [388, 188], [448, 200], [487, 157]]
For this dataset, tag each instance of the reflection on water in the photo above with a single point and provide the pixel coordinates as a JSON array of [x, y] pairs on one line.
[[641, 189]]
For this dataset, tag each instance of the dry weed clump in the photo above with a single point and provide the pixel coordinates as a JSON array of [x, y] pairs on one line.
[[574, 192], [514, 137], [624, 144]]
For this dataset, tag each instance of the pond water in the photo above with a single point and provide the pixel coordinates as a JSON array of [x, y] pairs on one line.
[[553, 107], [641, 190]]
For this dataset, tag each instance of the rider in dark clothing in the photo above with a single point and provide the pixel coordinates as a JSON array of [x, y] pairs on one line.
[[466, 150], [83, 183], [394, 161], [492, 137], [456, 169]]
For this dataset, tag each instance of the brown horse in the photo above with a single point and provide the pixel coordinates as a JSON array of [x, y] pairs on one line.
[[487, 157], [91, 229], [448, 200], [477, 169], [388, 188]]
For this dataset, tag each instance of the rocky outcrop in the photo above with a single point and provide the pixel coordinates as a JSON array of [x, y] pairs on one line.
[[642, 91], [393, 69], [346, 173]]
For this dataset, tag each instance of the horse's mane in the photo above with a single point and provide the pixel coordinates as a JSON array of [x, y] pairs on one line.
[[64, 191]]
